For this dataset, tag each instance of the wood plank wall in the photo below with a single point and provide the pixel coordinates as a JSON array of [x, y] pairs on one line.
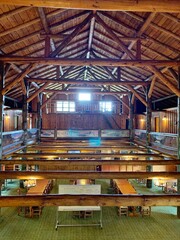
[[80, 121]]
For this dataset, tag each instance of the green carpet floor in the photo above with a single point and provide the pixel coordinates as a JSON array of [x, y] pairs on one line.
[[163, 223]]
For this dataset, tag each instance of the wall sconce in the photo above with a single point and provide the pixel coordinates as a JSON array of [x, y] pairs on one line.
[[142, 120], [164, 118], [7, 116]]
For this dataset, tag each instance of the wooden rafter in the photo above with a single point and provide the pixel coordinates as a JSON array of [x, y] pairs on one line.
[[18, 79], [13, 12], [165, 80], [137, 95], [90, 39], [173, 74], [72, 35], [151, 87], [19, 27], [37, 92], [114, 36], [49, 42]]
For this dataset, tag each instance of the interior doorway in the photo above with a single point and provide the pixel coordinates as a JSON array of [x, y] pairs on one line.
[[157, 124]]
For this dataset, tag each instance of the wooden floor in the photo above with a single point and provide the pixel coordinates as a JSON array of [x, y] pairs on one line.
[[161, 225]]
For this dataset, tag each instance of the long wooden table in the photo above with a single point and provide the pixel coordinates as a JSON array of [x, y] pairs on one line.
[[40, 187], [124, 186]]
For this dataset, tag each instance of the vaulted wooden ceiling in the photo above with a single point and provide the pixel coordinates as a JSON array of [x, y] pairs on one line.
[[55, 49]]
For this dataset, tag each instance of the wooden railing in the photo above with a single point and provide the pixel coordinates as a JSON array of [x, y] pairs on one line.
[[161, 141]]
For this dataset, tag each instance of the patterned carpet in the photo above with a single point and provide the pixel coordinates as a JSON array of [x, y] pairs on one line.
[[163, 223]]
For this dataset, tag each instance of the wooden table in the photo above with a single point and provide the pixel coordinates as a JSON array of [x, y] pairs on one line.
[[124, 186], [39, 189]]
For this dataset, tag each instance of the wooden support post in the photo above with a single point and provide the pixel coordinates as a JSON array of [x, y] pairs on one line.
[[148, 131], [24, 116], [1, 114], [1, 104], [178, 140], [131, 119], [39, 117], [138, 49], [119, 73], [47, 46], [148, 119]]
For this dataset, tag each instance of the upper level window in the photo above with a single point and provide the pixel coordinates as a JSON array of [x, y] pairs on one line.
[[105, 106], [84, 97], [65, 106]]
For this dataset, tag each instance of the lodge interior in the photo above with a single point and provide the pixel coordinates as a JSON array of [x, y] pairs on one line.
[[89, 120]]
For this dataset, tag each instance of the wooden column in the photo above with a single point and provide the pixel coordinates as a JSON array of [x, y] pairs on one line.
[[39, 117], [148, 119], [131, 118], [1, 113], [148, 131], [25, 115], [178, 140], [1, 103]]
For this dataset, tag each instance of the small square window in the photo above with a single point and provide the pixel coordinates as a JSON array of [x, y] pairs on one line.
[[105, 106], [84, 97], [65, 106]]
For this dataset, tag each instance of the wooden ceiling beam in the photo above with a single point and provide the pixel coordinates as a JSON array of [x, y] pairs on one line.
[[93, 92], [137, 95], [35, 94], [85, 162], [173, 74], [105, 200], [85, 175], [92, 82], [18, 79], [151, 87], [62, 36], [165, 80], [108, 5], [84, 155], [88, 62]]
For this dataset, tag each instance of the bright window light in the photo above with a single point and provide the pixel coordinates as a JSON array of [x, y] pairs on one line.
[[65, 106], [84, 97], [105, 106]]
